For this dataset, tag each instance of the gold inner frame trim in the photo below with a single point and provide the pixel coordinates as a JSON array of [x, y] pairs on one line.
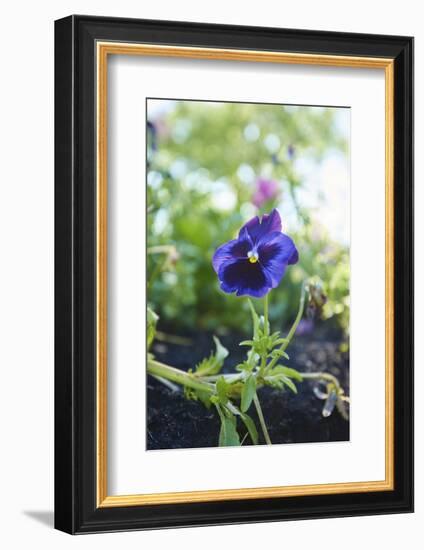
[[103, 50]]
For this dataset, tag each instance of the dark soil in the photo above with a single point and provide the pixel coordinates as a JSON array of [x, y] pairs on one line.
[[175, 422]]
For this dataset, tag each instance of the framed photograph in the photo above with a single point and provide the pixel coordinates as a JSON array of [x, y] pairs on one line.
[[234, 274]]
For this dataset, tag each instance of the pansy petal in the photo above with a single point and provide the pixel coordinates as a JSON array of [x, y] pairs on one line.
[[235, 249], [294, 258], [276, 251], [259, 228], [256, 261], [244, 278]]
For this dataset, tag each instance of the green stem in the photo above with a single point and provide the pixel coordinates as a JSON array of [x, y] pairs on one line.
[[266, 325], [230, 377], [292, 331], [206, 383], [261, 419], [180, 377], [266, 333], [297, 320]]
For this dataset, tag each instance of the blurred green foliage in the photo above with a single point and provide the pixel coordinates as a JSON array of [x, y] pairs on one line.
[[203, 162]]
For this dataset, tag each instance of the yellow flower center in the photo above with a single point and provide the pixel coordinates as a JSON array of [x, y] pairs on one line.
[[253, 257]]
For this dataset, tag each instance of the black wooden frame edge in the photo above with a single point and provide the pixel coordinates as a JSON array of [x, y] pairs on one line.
[[75, 289], [64, 446]]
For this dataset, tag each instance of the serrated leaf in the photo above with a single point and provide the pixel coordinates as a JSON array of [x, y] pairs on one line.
[[247, 393], [212, 364], [251, 428], [205, 366], [228, 436]]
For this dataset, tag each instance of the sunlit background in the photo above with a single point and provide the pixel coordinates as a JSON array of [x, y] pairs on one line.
[[211, 167]]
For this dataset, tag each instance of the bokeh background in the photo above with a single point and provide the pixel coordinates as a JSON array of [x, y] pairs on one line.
[[211, 167]]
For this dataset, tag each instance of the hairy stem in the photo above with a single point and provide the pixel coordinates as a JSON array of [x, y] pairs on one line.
[[261, 419]]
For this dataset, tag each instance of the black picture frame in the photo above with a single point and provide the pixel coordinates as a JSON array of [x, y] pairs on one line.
[[76, 508]]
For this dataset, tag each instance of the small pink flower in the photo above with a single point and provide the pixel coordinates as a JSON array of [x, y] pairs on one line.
[[265, 191]]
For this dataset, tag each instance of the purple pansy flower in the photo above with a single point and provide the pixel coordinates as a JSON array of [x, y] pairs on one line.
[[265, 191], [255, 262]]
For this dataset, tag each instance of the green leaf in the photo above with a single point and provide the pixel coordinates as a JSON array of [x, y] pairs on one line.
[[205, 398], [291, 373], [246, 343], [152, 319], [248, 365], [280, 341], [251, 428], [228, 436], [241, 366], [221, 389], [212, 364], [277, 353], [221, 352], [247, 393], [289, 383]]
